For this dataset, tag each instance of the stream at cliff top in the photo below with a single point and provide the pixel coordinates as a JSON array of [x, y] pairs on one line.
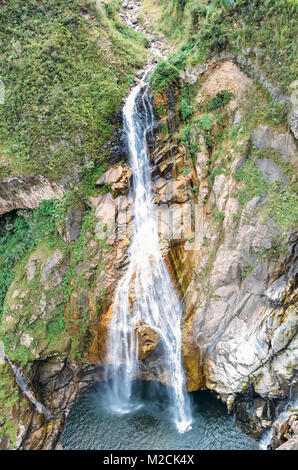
[[92, 426]]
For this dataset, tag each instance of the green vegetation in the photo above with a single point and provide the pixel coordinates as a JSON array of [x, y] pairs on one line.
[[205, 123], [65, 74], [259, 108], [281, 200], [205, 27], [19, 233], [9, 397], [167, 70], [220, 100], [52, 332]]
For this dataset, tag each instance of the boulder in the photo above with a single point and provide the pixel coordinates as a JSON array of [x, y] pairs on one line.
[[50, 265], [269, 169], [265, 136], [73, 221], [27, 192], [148, 340]]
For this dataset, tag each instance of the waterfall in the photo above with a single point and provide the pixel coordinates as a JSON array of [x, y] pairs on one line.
[[39, 407], [145, 295], [266, 439]]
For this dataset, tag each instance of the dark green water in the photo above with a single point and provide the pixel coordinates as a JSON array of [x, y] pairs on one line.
[[91, 426]]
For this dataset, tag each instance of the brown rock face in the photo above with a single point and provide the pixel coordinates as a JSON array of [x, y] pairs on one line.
[[27, 192], [285, 431], [117, 178], [147, 340]]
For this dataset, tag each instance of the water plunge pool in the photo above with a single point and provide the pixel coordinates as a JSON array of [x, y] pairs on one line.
[[92, 426]]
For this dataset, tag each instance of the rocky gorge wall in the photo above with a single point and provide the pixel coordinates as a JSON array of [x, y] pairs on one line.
[[238, 274], [240, 323]]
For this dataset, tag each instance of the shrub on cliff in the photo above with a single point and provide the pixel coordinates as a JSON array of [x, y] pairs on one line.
[[168, 70]]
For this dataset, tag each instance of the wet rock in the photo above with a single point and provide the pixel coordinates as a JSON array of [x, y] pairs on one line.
[[148, 340], [121, 187]]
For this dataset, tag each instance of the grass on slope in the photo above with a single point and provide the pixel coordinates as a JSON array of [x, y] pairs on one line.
[[205, 27], [65, 65]]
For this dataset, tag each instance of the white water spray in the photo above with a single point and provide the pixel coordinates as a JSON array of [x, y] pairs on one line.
[[147, 281], [40, 408]]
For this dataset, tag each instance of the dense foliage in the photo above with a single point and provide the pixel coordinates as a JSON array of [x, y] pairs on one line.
[[168, 70], [19, 233]]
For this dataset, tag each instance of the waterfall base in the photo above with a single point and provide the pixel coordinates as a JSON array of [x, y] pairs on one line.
[[91, 425]]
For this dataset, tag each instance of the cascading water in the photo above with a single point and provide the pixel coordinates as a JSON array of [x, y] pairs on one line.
[[155, 303], [40, 408]]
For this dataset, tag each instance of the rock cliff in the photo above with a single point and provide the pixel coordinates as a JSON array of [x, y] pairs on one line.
[[237, 265]]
